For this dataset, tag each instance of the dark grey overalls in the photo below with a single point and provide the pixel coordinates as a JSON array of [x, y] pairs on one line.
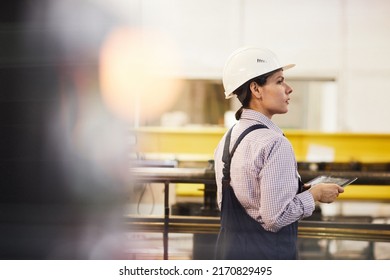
[[241, 237]]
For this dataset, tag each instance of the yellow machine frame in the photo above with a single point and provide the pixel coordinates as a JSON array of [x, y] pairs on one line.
[[197, 144]]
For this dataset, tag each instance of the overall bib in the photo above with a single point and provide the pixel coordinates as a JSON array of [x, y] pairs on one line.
[[241, 237]]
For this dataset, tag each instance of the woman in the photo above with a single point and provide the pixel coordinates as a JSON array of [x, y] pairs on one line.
[[260, 193]]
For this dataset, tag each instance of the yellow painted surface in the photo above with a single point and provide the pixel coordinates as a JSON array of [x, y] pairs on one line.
[[199, 143], [189, 189], [364, 147], [362, 192], [352, 192]]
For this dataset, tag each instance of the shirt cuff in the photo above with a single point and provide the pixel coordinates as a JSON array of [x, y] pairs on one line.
[[308, 203]]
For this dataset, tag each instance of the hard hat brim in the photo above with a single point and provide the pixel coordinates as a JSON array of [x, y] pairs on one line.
[[286, 67]]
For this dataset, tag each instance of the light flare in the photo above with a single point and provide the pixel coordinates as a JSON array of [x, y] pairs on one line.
[[137, 70]]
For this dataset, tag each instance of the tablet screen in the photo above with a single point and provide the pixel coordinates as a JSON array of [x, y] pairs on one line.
[[332, 180]]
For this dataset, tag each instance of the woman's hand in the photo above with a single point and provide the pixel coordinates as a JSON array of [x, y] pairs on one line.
[[326, 193]]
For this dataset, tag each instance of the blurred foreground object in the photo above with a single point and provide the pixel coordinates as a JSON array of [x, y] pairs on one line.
[[62, 154]]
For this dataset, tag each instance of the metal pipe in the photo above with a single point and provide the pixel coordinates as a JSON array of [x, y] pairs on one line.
[[306, 229], [166, 219], [207, 176]]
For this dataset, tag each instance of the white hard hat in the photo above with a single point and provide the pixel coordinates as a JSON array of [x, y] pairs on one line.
[[247, 63]]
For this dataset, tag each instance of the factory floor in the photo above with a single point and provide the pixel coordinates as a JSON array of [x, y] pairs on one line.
[[149, 246]]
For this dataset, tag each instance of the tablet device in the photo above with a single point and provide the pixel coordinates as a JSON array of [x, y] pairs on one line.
[[341, 181]]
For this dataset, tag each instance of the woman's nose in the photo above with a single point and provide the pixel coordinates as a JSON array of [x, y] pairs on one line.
[[289, 89]]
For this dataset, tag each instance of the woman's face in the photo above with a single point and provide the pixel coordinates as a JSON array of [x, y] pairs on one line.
[[275, 95]]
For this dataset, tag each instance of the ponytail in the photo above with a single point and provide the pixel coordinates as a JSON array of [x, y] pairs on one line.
[[244, 95], [239, 113]]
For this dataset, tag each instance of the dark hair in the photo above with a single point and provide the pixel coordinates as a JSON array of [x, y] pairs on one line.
[[244, 93]]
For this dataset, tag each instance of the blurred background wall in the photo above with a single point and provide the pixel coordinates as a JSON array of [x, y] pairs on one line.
[[341, 44]]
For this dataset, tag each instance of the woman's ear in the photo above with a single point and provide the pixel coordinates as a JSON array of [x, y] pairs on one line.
[[256, 90]]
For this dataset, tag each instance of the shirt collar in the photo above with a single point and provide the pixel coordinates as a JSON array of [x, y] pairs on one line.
[[253, 115]]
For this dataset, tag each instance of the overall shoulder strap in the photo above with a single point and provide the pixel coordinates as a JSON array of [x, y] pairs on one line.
[[227, 156]]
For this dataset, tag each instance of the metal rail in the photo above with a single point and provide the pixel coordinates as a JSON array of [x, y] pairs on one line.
[[207, 176], [173, 175], [307, 229]]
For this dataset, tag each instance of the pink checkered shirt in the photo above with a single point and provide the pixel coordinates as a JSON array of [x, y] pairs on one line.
[[264, 174]]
